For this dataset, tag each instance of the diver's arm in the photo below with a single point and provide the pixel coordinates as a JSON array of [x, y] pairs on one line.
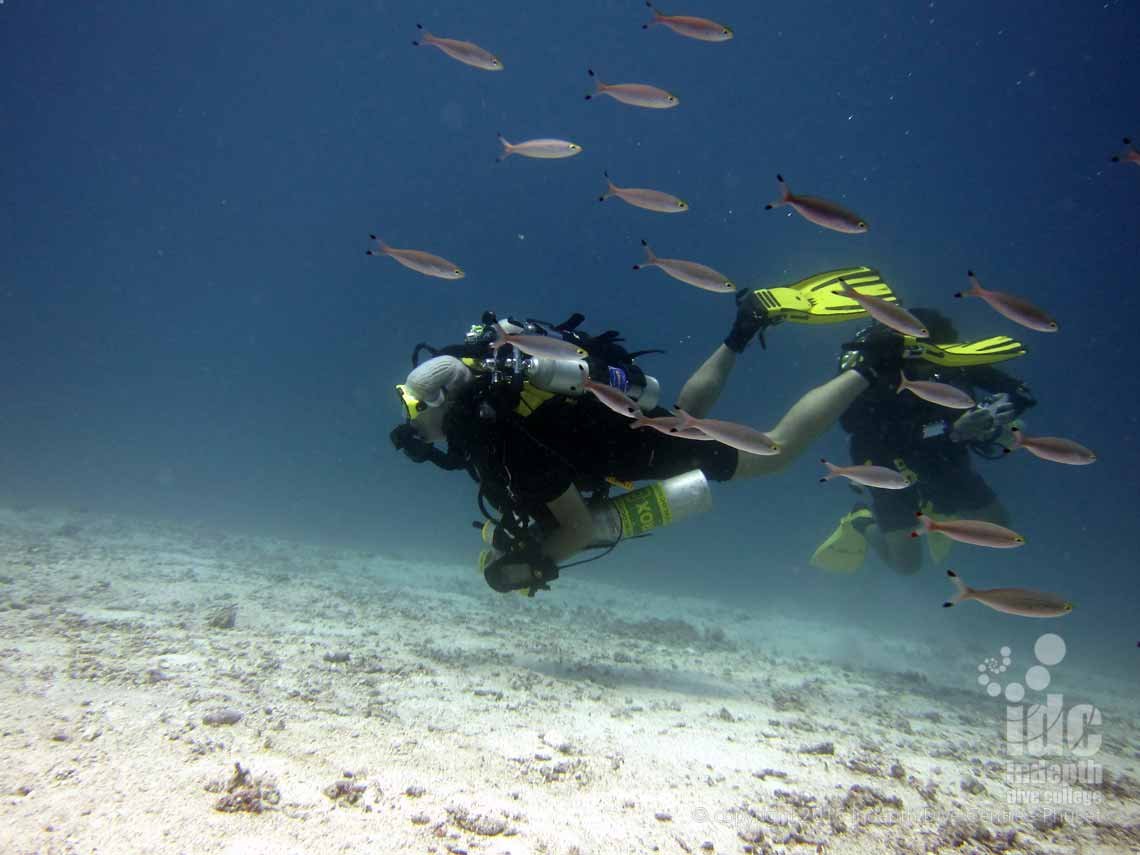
[[701, 390], [575, 529], [809, 417], [532, 564]]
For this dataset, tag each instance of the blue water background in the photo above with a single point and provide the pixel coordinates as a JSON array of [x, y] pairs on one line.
[[190, 329]]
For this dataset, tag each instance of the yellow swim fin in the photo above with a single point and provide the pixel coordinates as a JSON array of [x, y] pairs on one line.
[[986, 351], [845, 548], [816, 300], [938, 543]]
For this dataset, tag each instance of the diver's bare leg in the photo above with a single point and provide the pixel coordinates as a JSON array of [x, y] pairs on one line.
[[903, 553], [994, 512], [701, 390], [897, 549], [809, 417]]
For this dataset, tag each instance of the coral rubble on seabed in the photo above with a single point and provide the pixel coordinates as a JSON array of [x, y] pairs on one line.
[[173, 689]]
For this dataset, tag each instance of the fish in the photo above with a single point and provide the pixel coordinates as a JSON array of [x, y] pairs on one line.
[[670, 425], [1129, 155], [942, 394], [1023, 602], [738, 436], [421, 262], [976, 532], [536, 345], [634, 94], [869, 476], [1015, 308], [1052, 448], [820, 211], [466, 52], [650, 200], [689, 272], [888, 314], [701, 29], [613, 398], [541, 149]]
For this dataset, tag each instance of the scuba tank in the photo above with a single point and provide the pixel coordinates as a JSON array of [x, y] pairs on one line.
[[656, 505], [565, 376], [631, 514]]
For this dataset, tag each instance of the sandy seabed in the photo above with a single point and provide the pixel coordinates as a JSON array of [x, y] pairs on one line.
[[362, 703]]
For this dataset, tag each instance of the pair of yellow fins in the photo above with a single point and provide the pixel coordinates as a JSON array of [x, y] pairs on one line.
[[845, 549], [818, 300]]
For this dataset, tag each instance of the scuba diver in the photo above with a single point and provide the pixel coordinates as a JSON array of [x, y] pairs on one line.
[[933, 444], [545, 454]]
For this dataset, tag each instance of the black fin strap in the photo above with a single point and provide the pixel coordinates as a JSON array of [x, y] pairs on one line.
[[571, 323], [423, 345]]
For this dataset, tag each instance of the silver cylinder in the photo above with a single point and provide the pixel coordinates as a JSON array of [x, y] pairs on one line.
[[565, 376], [562, 376], [656, 505], [647, 396]]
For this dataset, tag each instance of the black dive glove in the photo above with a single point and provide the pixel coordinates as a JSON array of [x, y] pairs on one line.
[[405, 439], [751, 320], [523, 568], [876, 352], [418, 450]]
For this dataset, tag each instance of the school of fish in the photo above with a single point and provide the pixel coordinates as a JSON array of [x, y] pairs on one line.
[[821, 212]]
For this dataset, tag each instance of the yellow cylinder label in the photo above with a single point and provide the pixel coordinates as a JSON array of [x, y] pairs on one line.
[[643, 510]]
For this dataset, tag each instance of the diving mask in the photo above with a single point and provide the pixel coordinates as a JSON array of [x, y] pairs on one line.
[[412, 405]]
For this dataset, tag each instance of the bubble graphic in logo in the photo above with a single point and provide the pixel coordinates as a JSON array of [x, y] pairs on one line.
[[1049, 650], [1037, 678]]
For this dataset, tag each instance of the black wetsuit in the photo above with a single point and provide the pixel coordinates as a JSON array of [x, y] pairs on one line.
[[525, 462], [886, 426]]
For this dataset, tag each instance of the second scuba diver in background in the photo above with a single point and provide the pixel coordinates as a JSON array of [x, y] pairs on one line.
[[893, 427]]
